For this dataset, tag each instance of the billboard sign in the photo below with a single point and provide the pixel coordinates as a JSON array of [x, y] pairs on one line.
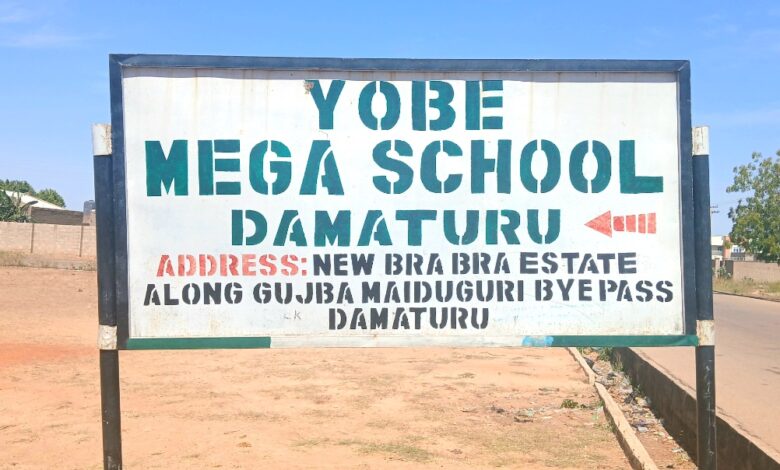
[[347, 202]]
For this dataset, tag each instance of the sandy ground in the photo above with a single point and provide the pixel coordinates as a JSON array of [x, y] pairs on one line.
[[335, 408]]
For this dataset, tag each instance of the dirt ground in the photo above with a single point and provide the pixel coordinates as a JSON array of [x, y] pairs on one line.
[[334, 408]]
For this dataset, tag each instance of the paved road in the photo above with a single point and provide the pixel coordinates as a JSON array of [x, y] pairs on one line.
[[747, 364]]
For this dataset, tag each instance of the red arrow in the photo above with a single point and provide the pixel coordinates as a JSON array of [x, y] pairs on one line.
[[602, 223], [605, 223]]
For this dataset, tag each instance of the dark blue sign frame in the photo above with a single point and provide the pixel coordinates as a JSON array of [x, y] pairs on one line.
[[118, 63]]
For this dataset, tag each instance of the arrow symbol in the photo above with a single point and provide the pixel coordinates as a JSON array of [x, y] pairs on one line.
[[602, 223], [606, 223]]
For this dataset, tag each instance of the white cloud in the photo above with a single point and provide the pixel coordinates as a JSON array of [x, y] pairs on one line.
[[43, 38], [13, 12], [25, 26], [742, 34]]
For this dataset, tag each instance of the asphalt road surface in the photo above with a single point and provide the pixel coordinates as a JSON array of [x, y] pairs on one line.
[[747, 365]]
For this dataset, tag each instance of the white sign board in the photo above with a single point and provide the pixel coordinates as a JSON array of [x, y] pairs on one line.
[[402, 208]]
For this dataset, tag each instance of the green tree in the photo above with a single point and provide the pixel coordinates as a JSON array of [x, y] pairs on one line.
[[20, 186], [17, 186], [757, 218], [50, 195], [12, 209]]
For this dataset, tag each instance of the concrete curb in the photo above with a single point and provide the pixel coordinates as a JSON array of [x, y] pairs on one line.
[[635, 452], [676, 403], [585, 367], [744, 295]]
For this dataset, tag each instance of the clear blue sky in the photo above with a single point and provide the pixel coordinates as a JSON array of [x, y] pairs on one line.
[[54, 60]]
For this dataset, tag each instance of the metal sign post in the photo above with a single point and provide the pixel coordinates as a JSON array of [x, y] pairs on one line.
[[705, 350], [106, 268]]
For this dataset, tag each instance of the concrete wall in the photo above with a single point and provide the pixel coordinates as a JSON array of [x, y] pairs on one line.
[[41, 215], [15, 237], [676, 405], [755, 270], [89, 242], [88, 217], [48, 239]]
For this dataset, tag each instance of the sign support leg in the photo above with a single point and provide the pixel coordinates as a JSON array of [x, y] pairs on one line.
[[705, 352], [109, 355], [110, 409]]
